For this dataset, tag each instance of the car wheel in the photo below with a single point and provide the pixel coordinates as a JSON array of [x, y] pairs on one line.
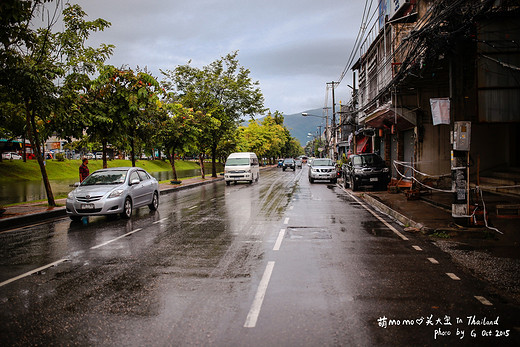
[[155, 202], [228, 183], [75, 218], [283, 169], [353, 185], [127, 209], [311, 180], [334, 180]]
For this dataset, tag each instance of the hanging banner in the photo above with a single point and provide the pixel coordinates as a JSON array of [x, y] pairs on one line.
[[440, 110]]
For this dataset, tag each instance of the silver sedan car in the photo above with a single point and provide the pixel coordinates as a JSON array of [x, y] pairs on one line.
[[113, 191]]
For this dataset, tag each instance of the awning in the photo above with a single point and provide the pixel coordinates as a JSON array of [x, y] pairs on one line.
[[387, 116]]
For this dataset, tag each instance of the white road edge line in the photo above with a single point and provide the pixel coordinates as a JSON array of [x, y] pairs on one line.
[[286, 221], [433, 260], [160, 221], [404, 238], [453, 276], [117, 238], [417, 248], [191, 208], [279, 240], [32, 272], [254, 312], [483, 300]]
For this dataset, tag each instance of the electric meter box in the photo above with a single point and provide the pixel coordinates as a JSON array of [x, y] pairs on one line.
[[461, 136]]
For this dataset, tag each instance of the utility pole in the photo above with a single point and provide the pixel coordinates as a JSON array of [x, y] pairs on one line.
[[334, 150]]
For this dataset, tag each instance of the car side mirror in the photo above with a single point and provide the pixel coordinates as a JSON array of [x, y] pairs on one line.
[[76, 184], [134, 181]]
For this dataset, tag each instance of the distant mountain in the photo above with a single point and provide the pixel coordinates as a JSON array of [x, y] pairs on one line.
[[300, 126]]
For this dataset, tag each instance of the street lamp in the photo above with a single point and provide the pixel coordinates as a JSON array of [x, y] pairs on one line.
[[305, 114]]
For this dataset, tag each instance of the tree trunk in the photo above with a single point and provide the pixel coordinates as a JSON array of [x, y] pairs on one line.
[[132, 151], [24, 149], [214, 161], [35, 143], [201, 162], [104, 144], [171, 158]]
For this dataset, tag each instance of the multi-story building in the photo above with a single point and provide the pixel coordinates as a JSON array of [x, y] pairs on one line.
[[461, 54]]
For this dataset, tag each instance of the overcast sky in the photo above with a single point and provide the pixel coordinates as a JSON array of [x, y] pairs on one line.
[[292, 47]]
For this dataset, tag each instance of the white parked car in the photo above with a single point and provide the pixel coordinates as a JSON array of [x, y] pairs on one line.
[[113, 191], [11, 156]]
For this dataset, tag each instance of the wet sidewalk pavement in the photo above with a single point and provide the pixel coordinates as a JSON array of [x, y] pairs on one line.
[[489, 255]]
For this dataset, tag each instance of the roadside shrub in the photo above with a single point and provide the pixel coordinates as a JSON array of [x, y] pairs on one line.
[[60, 157]]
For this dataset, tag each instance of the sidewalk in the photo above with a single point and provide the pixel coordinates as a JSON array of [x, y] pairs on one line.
[[482, 252], [431, 215]]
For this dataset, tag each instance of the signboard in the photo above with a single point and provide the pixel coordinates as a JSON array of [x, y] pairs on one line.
[[395, 6], [440, 110]]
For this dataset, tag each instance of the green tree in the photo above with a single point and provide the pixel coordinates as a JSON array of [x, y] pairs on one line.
[[177, 133], [34, 59], [207, 125], [124, 105], [223, 89]]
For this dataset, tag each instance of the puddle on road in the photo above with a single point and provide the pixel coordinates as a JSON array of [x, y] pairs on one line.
[[376, 229]]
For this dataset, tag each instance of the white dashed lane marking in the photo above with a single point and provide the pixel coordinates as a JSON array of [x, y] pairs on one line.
[[453, 276], [32, 272], [117, 238], [483, 300], [279, 240], [417, 248], [254, 312], [433, 260]]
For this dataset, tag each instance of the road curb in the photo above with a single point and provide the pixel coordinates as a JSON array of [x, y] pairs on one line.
[[31, 218], [392, 213]]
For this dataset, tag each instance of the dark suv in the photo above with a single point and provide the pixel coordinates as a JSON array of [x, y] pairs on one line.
[[364, 170], [289, 164]]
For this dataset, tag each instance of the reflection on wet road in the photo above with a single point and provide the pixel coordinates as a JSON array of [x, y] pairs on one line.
[[279, 262]]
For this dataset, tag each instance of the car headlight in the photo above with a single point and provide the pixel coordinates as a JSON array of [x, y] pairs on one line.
[[70, 196], [358, 171], [116, 193], [248, 171], [385, 169]]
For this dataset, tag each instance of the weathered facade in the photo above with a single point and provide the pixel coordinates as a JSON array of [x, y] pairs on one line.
[[465, 51]]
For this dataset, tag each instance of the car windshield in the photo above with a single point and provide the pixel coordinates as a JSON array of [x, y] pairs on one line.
[[367, 159], [237, 161], [289, 161], [322, 162], [105, 177]]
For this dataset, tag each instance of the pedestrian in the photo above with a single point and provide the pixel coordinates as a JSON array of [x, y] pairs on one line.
[[83, 170]]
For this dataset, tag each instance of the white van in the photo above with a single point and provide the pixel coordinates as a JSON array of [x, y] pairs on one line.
[[241, 166]]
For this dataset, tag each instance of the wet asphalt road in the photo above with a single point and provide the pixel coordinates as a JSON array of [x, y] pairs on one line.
[[281, 262]]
